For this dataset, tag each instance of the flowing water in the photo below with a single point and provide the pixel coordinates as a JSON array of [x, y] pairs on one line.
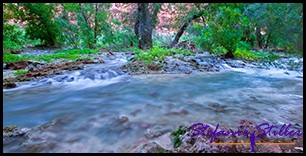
[[84, 112]]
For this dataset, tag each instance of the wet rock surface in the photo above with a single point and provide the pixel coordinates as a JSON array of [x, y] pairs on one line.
[[155, 131], [13, 133], [205, 62], [156, 140], [193, 64], [186, 65], [37, 70], [17, 65], [49, 70], [122, 119], [201, 144], [9, 85]]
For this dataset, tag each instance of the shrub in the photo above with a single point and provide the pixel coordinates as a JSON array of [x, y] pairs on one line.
[[177, 142], [19, 72], [9, 58], [159, 54], [14, 38], [224, 29], [245, 55], [118, 41]]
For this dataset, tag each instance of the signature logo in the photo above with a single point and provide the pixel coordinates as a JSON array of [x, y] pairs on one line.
[[264, 129]]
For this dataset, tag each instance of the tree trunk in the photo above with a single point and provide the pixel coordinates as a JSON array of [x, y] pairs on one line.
[[258, 38], [87, 23], [267, 41], [199, 8], [86, 20], [183, 28], [136, 27], [96, 23], [144, 27]]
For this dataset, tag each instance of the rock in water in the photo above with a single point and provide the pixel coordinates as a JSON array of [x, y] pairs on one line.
[[13, 131], [188, 71], [17, 65], [155, 131], [9, 85], [123, 119]]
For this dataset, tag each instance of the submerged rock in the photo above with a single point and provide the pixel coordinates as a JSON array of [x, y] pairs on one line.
[[11, 133], [16, 51], [9, 85], [122, 119], [235, 63]]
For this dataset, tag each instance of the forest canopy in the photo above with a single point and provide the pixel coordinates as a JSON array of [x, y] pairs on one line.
[[225, 29]]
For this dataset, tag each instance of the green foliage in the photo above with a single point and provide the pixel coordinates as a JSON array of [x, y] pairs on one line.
[[19, 72], [236, 28], [282, 21], [243, 45], [254, 56], [91, 23], [72, 55], [243, 52], [14, 38], [162, 40], [179, 131], [158, 54], [224, 30], [245, 55], [51, 22], [78, 51], [227, 27], [220, 50], [9, 58], [177, 142], [118, 41], [40, 22]]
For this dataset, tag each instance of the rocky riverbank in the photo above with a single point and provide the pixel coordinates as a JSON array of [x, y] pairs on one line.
[[204, 62], [180, 141], [160, 140], [199, 62], [37, 70]]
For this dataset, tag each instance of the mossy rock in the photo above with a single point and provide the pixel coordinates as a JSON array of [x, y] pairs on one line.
[[10, 129]]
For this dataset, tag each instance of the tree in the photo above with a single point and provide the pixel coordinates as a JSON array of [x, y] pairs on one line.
[[282, 23], [143, 27], [145, 22], [40, 23], [224, 30], [183, 28], [89, 22]]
